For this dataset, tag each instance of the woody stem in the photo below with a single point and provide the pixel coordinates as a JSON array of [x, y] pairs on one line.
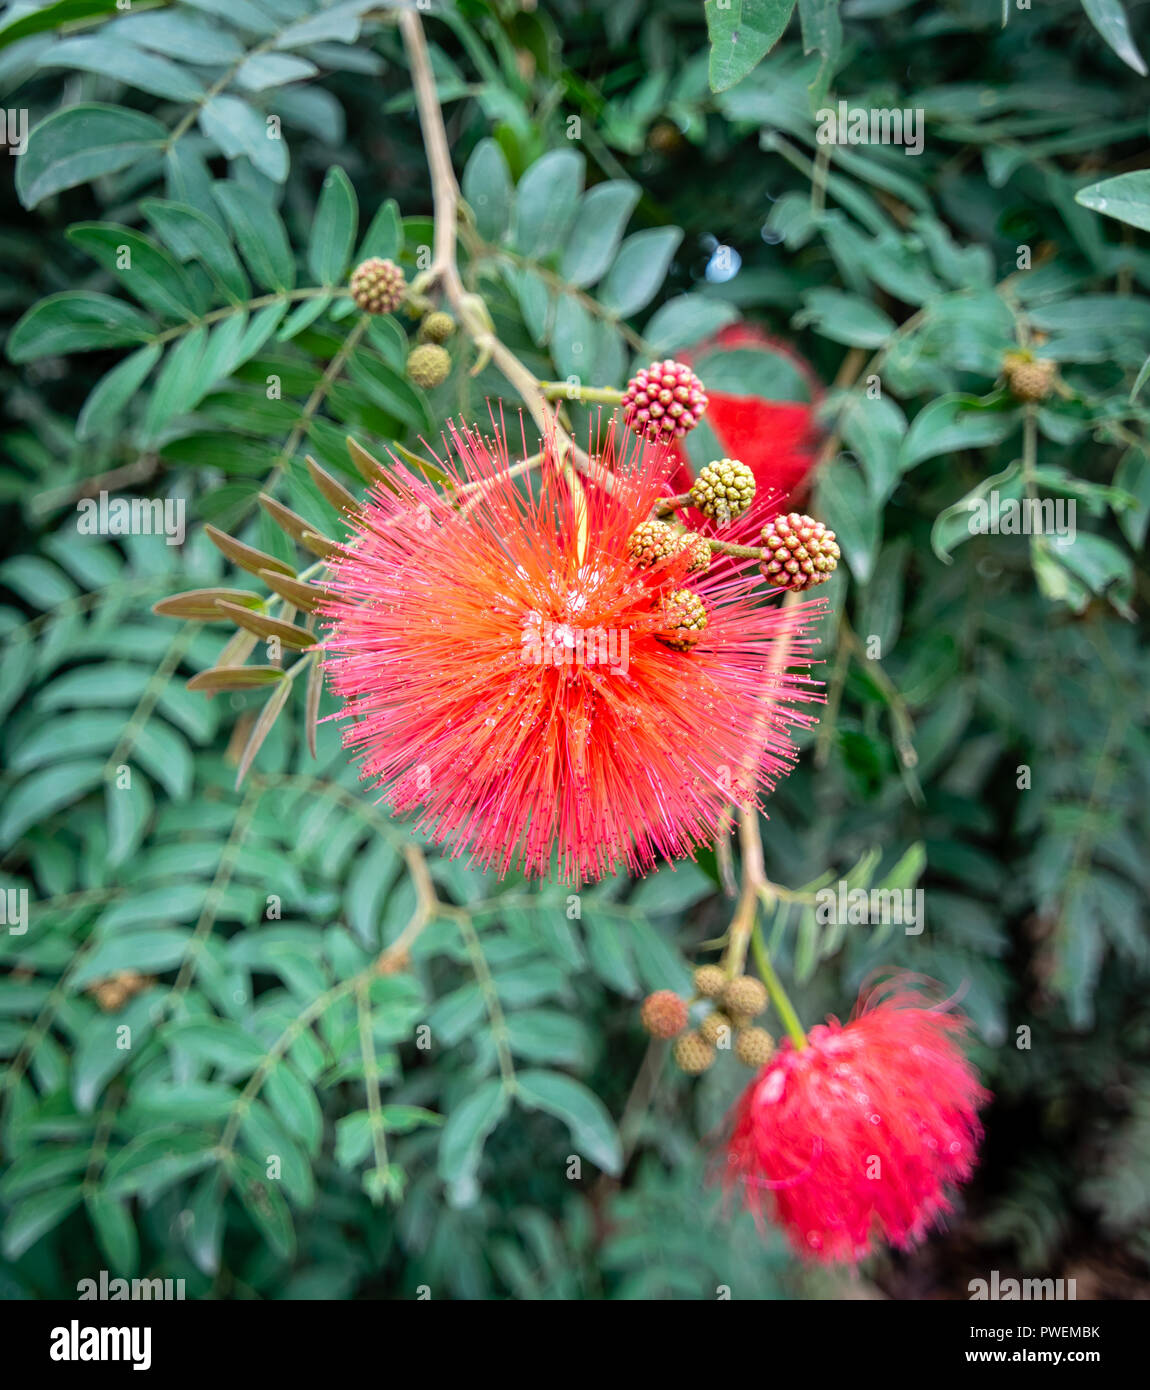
[[469, 309], [747, 908], [742, 552], [672, 504]]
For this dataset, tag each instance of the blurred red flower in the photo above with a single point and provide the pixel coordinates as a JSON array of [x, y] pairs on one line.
[[860, 1136], [763, 401]]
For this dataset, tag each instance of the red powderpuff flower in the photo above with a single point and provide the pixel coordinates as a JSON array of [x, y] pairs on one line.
[[860, 1136], [506, 667]]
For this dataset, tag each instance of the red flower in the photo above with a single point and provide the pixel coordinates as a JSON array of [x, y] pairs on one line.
[[763, 397], [532, 697], [860, 1136]]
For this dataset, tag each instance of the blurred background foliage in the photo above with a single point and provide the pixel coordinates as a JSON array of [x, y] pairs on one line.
[[995, 751]]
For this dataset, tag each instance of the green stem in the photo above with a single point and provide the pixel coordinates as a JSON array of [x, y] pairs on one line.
[[779, 997], [261, 302], [371, 1077], [588, 395]]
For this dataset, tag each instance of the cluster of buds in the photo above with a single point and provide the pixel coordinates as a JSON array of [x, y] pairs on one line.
[[436, 327], [429, 364], [683, 611], [663, 401], [652, 542], [723, 490], [1029, 378], [684, 619], [380, 287], [114, 992], [800, 552], [735, 1001]]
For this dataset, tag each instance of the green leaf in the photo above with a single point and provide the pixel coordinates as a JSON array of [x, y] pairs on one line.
[[1098, 563], [852, 514], [205, 1232], [16, 672], [115, 1233], [742, 33], [144, 270], [951, 423], [177, 385], [264, 70], [545, 203], [603, 213], [103, 1052], [467, 1128], [953, 525], [592, 1129], [222, 1043], [150, 952], [402, 1119], [260, 329], [391, 391], [333, 230], [1133, 476], [41, 795], [609, 952], [260, 232], [37, 581], [845, 318], [544, 1035], [242, 13], [1109, 18], [267, 1207], [340, 22], [294, 1101], [266, 1139], [76, 321], [221, 355], [1126, 197], [487, 190], [368, 885], [238, 129], [639, 270], [384, 238], [178, 35], [41, 1167], [156, 1161], [302, 316], [573, 339], [823, 34], [536, 303], [190, 235], [51, 17], [79, 143], [659, 963], [874, 429], [456, 1014], [129, 810], [686, 318], [35, 1216], [113, 392], [352, 1138], [123, 62]]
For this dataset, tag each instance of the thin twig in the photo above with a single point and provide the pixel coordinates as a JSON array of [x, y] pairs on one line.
[[444, 270]]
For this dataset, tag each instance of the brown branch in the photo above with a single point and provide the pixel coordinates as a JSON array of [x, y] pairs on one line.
[[470, 309]]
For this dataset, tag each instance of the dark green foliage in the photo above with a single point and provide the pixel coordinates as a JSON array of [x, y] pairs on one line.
[[984, 735]]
